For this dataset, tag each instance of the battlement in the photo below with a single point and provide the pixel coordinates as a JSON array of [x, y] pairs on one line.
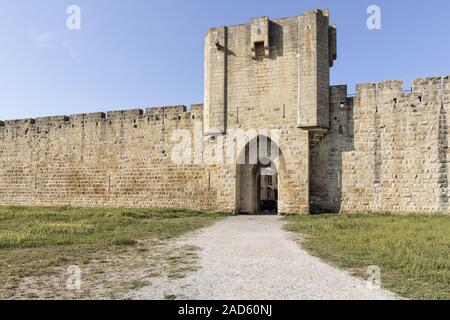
[[19, 122], [167, 113], [339, 97], [50, 120], [87, 117], [423, 90], [124, 114], [395, 87], [338, 90]]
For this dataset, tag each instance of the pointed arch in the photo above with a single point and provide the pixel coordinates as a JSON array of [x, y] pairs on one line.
[[259, 176]]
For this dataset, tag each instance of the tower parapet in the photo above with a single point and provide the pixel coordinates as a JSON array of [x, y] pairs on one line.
[[269, 69]]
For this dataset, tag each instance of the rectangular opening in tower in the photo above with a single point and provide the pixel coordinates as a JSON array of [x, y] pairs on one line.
[[260, 51]]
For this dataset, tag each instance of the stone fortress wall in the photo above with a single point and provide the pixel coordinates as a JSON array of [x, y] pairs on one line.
[[381, 151], [400, 162], [386, 149], [122, 158]]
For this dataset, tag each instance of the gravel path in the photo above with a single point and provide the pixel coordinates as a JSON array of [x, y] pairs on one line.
[[252, 258]]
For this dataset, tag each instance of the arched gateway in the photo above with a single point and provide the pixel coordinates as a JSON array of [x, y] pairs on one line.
[[257, 177]]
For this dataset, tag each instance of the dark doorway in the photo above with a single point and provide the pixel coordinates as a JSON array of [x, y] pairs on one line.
[[268, 192], [258, 180]]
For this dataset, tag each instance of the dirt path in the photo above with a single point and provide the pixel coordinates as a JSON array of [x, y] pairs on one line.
[[251, 257]]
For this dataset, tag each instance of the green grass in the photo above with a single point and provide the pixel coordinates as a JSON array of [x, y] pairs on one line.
[[36, 241], [26, 227], [412, 251]]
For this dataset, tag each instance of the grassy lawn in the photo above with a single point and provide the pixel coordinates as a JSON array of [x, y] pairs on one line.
[[413, 252], [117, 249]]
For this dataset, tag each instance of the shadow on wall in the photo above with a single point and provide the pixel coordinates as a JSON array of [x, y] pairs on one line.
[[443, 159], [326, 154], [276, 40]]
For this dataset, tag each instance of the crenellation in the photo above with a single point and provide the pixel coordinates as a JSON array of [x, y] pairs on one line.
[[19, 122], [390, 87], [388, 95], [53, 120], [363, 89], [197, 112], [338, 90], [446, 89], [174, 112], [391, 91], [152, 111], [169, 112], [87, 117], [428, 89], [125, 114]]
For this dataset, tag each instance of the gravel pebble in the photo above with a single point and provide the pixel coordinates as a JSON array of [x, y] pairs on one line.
[[253, 258]]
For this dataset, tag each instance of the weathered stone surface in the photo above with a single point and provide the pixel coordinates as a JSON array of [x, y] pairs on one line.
[[400, 161], [93, 160]]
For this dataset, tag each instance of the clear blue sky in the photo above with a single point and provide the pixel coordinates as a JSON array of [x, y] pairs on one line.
[[141, 53]]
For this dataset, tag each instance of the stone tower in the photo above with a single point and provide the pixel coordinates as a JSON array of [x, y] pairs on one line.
[[271, 74], [281, 64]]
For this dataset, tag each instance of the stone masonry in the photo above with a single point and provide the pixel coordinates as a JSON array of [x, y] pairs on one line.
[[383, 150]]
